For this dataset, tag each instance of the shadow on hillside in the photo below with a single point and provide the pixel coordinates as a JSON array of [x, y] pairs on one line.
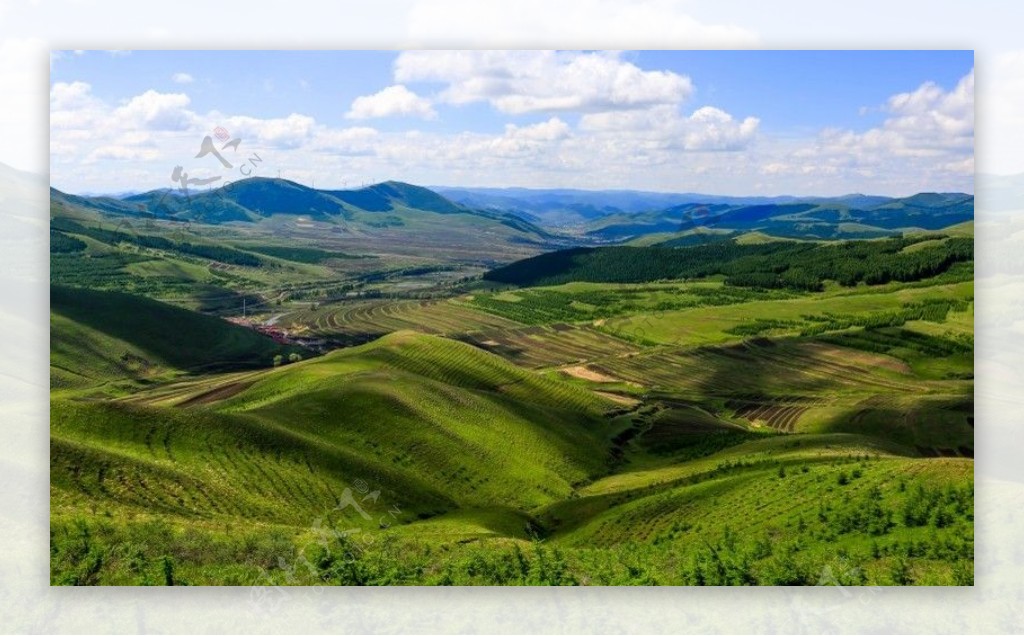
[[760, 375]]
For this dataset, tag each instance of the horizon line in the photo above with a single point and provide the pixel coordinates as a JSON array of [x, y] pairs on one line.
[[432, 187]]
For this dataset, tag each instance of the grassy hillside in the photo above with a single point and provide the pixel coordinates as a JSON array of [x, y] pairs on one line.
[[295, 245], [121, 341], [748, 411], [472, 460], [483, 430], [435, 424], [239, 500], [250, 200]]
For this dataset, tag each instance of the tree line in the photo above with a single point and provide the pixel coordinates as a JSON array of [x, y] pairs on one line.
[[775, 265]]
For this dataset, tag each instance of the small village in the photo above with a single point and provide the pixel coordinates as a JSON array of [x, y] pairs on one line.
[[278, 334]]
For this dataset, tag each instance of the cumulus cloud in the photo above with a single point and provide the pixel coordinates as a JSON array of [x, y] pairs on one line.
[[550, 130], [518, 82], [568, 119], [706, 129], [282, 132], [925, 142], [930, 118], [157, 111], [389, 102], [182, 78], [70, 95], [713, 129], [534, 139], [152, 132], [926, 122], [75, 112]]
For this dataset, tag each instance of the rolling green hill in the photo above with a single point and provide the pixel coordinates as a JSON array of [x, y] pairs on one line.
[[745, 411], [435, 424], [471, 460], [121, 341], [408, 410], [388, 204]]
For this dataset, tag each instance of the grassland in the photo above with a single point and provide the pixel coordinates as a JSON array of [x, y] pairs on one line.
[[661, 432], [111, 343], [363, 321]]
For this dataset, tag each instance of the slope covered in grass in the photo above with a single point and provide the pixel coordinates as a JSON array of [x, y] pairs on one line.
[[437, 424], [99, 337], [463, 420]]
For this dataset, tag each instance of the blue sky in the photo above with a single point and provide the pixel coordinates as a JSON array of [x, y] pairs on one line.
[[729, 122]]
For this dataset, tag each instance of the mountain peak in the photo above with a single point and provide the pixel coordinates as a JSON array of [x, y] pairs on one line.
[[388, 195]]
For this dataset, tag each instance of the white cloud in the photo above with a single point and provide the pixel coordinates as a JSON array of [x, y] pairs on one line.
[[354, 141], [931, 118], [389, 102], [157, 111], [550, 130], [535, 141], [926, 142], [75, 113], [283, 132], [713, 129], [658, 142], [121, 153], [961, 167], [925, 122], [707, 128], [518, 82], [182, 78], [69, 96]]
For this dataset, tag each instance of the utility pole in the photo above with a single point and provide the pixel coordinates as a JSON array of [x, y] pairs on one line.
[[243, 306]]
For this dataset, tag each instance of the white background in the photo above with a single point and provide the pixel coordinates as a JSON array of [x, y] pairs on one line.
[[29, 29]]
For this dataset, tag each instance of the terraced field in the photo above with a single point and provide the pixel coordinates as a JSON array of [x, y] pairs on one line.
[[550, 345], [788, 507], [793, 316], [780, 416], [363, 321], [796, 385], [663, 433], [323, 420], [760, 367]]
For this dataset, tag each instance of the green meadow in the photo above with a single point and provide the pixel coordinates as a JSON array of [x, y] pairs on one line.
[[784, 415]]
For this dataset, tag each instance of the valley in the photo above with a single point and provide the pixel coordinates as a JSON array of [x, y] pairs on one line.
[[469, 387]]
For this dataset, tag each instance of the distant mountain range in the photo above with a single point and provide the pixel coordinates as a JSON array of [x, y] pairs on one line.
[[567, 206], [543, 215], [384, 205], [846, 217], [614, 216]]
